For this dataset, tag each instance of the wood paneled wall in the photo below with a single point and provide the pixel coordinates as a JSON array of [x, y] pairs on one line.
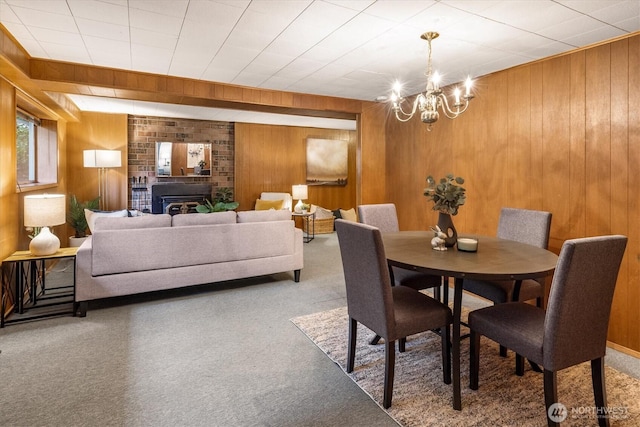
[[561, 135], [371, 159], [97, 131], [272, 158], [9, 229]]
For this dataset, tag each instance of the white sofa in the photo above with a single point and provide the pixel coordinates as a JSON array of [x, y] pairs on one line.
[[133, 255]]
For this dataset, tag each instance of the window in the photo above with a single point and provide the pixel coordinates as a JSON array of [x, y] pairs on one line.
[[36, 150]]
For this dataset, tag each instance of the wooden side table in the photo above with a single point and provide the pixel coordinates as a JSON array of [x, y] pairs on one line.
[[29, 298], [310, 218]]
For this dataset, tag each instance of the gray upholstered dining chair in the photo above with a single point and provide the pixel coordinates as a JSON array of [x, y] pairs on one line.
[[385, 217], [574, 328], [393, 312], [525, 226]]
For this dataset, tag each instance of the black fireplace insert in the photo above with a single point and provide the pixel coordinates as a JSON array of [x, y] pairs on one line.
[[173, 193]]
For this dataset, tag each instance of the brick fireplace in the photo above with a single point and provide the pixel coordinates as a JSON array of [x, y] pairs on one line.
[[145, 131]]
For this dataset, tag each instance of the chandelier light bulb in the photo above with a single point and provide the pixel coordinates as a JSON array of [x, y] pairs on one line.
[[436, 78], [467, 84]]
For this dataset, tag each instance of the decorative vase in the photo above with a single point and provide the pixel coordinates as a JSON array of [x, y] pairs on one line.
[[446, 225]]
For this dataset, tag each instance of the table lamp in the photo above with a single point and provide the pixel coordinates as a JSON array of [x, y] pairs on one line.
[[41, 212], [299, 192]]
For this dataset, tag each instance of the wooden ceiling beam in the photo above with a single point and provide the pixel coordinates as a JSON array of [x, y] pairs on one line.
[[63, 77]]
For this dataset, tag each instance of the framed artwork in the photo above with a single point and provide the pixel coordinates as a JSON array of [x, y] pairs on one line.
[[327, 161]]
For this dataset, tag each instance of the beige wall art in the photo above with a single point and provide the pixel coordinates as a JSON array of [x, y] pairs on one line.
[[327, 161]]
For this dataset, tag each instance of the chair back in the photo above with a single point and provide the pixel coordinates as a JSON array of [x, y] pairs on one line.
[[382, 216], [366, 275], [525, 226], [579, 306], [287, 201]]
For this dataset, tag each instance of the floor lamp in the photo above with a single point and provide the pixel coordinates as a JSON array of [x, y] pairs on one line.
[[102, 159]]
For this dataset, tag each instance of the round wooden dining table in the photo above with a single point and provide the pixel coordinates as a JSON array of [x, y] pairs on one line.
[[495, 259]]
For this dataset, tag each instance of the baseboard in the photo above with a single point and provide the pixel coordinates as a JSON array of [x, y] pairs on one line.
[[623, 349]]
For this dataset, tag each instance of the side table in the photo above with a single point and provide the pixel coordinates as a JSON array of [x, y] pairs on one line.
[[29, 298], [310, 218]]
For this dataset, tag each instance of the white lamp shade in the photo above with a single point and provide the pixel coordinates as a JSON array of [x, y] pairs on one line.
[[102, 158], [44, 210], [300, 192]]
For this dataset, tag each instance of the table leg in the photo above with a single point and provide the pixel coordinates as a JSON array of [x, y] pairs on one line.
[[455, 345], [20, 279], [516, 290]]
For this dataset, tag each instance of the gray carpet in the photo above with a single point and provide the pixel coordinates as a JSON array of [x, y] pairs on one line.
[[421, 398], [215, 355]]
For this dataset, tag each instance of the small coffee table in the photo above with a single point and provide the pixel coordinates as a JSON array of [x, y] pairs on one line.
[[310, 218]]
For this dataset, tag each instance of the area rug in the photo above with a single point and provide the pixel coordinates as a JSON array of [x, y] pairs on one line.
[[420, 398]]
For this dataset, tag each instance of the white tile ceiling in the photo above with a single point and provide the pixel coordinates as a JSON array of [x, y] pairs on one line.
[[345, 48]]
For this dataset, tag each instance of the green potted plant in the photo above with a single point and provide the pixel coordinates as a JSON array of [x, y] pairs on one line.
[[222, 202], [447, 197], [77, 219]]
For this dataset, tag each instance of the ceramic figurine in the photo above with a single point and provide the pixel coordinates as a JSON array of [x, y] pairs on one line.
[[438, 241]]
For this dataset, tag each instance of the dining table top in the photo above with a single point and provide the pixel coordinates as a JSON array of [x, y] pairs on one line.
[[495, 258]]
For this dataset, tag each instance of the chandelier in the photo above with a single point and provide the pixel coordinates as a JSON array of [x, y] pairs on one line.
[[432, 99]]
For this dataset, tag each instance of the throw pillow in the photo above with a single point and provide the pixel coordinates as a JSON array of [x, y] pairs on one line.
[[91, 216], [349, 215], [321, 213], [265, 205], [336, 215]]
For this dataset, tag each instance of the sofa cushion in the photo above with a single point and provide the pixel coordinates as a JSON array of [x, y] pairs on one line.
[[132, 222], [262, 216], [213, 218], [262, 205], [91, 216]]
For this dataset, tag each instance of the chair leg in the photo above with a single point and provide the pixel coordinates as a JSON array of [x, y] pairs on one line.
[[503, 351], [519, 365], [550, 394], [599, 390], [402, 345], [445, 333], [389, 369], [351, 350], [375, 340], [474, 359]]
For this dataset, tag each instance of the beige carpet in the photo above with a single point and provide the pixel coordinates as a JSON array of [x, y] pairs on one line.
[[420, 398]]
